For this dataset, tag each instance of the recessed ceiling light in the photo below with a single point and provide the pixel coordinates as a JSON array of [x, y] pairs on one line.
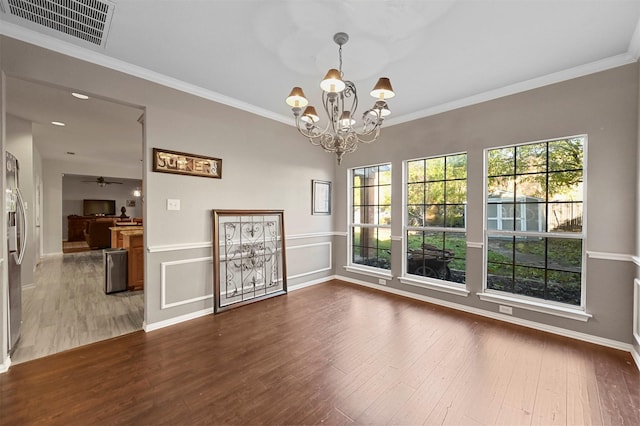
[[79, 95], [57, 123]]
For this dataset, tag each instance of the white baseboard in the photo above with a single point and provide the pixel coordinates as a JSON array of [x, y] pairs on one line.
[[46, 255], [506, 318], [4, 367], [176, 320], [309, 283], [636, 356]]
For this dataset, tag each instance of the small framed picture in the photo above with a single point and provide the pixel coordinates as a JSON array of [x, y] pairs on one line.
[[320, 197], [131, 203]]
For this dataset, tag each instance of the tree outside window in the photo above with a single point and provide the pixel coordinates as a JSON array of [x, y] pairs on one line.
[[534, 219], [436, 210]]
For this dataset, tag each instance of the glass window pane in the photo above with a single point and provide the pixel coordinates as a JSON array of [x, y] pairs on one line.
[[565, 186], [564, 287], [434, 193], [416, 215], [500, 249], [456, 243], [531, 217], [415, 171], [415, 193], [530, 251], [457, 166], [429, 259], [435, 169], [501, 162], [529, 281], [564, 254], [565, 217], [384, 195], [454, 216], [501, 188], [456, 191], [357, 197], [531, 158], [384, 176], [434, 215], [358, 175], [567, 154], [531, 187], [384, 215], [499, 276]]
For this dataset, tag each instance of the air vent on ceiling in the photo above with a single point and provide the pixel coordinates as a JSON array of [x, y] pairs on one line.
[[86, 20]]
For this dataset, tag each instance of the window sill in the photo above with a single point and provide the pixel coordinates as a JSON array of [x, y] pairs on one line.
[[456, 289], [560, 311], [376, 273]]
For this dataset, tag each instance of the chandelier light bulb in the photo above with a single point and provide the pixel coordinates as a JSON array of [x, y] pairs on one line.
[[332, 82], [296, 98], [310, 115]]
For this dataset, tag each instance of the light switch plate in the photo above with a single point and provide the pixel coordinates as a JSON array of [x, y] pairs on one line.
[[173, 204]]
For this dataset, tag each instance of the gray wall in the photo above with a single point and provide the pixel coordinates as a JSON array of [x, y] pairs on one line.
[[266, 165], [602, 105]]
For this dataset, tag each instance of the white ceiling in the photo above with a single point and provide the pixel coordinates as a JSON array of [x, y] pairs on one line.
[[438, 54]]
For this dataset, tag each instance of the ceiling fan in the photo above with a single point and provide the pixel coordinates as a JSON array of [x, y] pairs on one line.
[[102, 182]]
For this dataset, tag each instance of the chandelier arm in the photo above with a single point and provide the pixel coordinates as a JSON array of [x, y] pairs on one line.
[[308, 132], [330, 109]]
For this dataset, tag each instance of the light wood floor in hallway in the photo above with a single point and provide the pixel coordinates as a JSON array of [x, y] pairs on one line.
[[333, 353], [68, 307]]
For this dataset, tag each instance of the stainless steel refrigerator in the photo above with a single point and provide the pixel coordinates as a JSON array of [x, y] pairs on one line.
[[16, 241]]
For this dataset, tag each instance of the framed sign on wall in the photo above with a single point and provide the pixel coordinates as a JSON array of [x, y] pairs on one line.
[[181, 163]]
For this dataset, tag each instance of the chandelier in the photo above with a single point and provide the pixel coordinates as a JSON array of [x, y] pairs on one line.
[[341, 134]]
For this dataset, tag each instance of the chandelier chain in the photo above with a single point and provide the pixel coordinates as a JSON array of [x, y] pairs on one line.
[[340, 55]]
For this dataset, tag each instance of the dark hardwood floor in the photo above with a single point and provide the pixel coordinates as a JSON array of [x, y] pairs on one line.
[[334, 353]]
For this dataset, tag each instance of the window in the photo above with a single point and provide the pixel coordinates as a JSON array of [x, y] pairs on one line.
[[435, 217], [534, 205], [370, 221]]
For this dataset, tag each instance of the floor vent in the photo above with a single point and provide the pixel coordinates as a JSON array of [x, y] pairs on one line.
[[87, 20]]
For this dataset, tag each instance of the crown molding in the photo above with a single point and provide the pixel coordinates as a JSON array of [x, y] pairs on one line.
[[48, 42], [634, 44], [534, 83], [85, 54]]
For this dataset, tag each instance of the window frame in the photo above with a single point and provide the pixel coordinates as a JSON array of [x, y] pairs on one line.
[[357, 267], [562, 309], [431, 283]]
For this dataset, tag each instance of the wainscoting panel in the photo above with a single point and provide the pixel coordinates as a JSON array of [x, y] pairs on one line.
[[308, 259], [186, 279], [198, 272]]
